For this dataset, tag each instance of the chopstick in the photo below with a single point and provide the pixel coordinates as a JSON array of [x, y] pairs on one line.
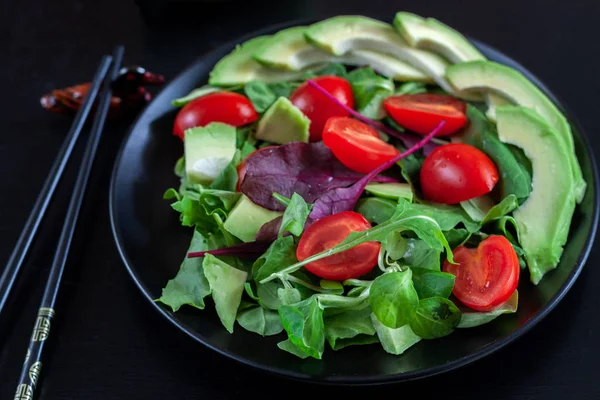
[[32, 366], [19, 253]]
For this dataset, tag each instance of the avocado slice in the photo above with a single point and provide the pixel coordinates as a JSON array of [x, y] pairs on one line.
[[347, 33], [288, 50], [489, 75], [545, 217], [246, 218], [430, 34], [283, 123], [208, 150], [393, 190], [238, 67]]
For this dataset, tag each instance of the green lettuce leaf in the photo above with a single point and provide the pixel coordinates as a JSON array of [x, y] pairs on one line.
[[227, 285], [190, 286]]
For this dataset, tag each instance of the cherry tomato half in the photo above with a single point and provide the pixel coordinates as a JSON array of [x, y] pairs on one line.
[[241, 168], [457, 172], [356, 144], [328, 232], [486, 276], [227, 107], [421, 113], [317, 107]]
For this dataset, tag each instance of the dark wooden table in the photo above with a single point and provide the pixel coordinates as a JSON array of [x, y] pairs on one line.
[[109, 343]]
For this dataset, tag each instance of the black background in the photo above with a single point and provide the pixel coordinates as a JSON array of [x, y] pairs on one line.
[[108, 344]]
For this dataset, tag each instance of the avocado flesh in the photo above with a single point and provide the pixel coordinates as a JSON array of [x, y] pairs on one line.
[[545, 217], [239, 68], [430, 34], [393, 190], [288, 50], [343, 34], [208, 150], [283, 123], [246, 218], [491, 76]]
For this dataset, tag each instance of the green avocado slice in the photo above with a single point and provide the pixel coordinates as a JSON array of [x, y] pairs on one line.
[[288, 50], [545, 217], [347, 33], [430, 34], [489, 75], [246, 218], [239, 68], [283, 123]]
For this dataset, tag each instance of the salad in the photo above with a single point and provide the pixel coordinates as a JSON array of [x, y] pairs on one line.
[[354, 182]]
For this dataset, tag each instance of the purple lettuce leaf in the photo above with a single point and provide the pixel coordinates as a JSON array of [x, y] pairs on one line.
[[345, 198], [308, 169]]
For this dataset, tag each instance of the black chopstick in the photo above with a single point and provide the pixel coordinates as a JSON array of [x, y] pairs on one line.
[[19, 253], [32, 366]]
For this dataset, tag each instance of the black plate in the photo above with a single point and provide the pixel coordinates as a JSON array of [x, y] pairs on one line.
[[152, 244]]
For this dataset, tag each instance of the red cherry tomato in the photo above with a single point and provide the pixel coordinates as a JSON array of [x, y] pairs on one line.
[[457, 172], [317, 107], [328, 232], [227, 107], [356, 144], [421, 113], [241, 169], [486, 276]]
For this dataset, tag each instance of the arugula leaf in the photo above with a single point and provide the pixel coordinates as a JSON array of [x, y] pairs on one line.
[[394, 341], [190, 286], [447, 216], [395, 245], [369, 91], [304, 325], [227, 285], [411, 170], [436, 317], [481, 133], [457, 237], [375, 209], [350, 328], [483, 210], [295, 215], [419, 254], [507, 205], [260, 94], [432, 283], [280, 254], [470, 319], [261, 321], [405, 217], [394, 299]]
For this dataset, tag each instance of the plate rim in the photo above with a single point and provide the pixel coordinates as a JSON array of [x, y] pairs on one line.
[[371, 381]]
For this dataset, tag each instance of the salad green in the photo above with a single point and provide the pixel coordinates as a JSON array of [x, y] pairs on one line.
[[250, 193]]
